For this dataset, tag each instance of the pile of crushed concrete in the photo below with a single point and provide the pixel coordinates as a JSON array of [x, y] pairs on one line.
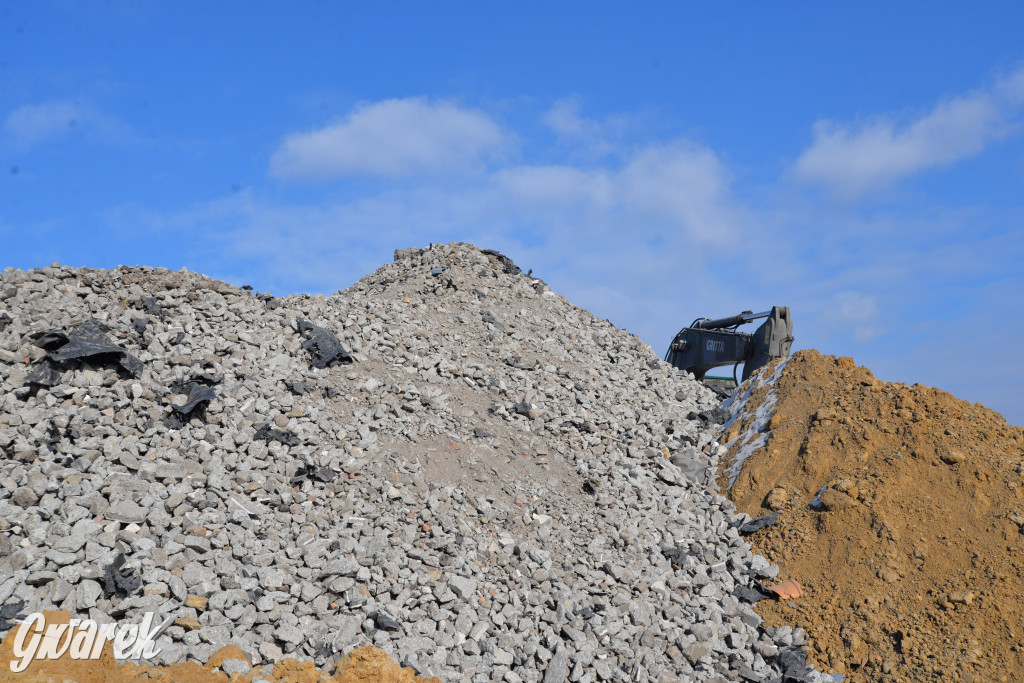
[[448, 462], [900, 514]]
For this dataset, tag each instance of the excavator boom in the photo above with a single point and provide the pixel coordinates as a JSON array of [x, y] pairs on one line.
[[707, 344]]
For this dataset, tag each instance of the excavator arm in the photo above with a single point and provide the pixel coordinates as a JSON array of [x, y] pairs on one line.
[[707, 344]]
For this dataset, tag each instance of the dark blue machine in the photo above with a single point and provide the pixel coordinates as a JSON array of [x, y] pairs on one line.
[[707, 344]]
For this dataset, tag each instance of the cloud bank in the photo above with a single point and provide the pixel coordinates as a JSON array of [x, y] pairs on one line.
[[851, 161], [392, 138], [32, 124]]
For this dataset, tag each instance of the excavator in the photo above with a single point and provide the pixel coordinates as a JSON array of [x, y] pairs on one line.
[[708, 343]]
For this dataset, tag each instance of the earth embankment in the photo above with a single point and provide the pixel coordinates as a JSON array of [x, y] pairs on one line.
[[900, 513]]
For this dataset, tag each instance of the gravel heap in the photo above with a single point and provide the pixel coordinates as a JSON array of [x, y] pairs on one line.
[[448, 461]]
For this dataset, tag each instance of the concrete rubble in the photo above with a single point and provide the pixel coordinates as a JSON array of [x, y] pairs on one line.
[[448, 461]]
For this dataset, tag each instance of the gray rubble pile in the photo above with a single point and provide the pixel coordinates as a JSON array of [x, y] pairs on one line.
[[448, 461]]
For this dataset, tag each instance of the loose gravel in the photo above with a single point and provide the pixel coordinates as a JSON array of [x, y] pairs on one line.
[[448, 461]]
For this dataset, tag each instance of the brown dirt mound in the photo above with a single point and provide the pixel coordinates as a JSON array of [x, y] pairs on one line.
[[363, 665], [912, 569]]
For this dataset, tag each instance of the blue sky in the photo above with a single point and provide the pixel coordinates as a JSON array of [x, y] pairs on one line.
[[863, 164]]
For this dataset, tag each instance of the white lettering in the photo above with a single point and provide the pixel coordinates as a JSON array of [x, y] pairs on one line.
[[106, 632], [715, 345], [82, 642], [49, 649], [123, 639], [145, 645], [84, 639], [33, 624]]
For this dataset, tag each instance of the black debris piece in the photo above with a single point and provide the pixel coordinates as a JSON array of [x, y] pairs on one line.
[[178, 337], [437, 271], [384, 622], [590, 486], [88, 341], [482, 434], [443, 283], [247, 288], [488, 317], [331, 392], [49, 341], [323, 650], [149, 305], [677, 556], [754, 593], [5, 320], [297, 387], [506, 263], [44, 373], [195, 396], [11, 614], [132, 364], [52, 437], [585, 427], [118, 581], [268, 434], [206, 379], [517, 362], [758, 523], [792, 661], [271, 301], [314, 473], [522, 408], [322, 345], [716, 416], [479, 295], [720, 391]]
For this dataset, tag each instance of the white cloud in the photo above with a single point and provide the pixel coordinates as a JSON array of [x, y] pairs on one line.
[[851, 161], [33, 124], [677, 191], [855, 314], [30, 124], [565, 120], [397, 137]]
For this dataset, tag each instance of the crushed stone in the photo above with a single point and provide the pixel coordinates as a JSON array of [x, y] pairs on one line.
[[461, 469]]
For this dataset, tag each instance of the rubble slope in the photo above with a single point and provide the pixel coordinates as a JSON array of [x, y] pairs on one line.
[[447, 461]]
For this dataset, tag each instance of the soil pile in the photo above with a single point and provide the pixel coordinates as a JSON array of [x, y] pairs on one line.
[[911, 557]]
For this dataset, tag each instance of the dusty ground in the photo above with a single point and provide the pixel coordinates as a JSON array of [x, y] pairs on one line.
[[364, 665], [914, 567]]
